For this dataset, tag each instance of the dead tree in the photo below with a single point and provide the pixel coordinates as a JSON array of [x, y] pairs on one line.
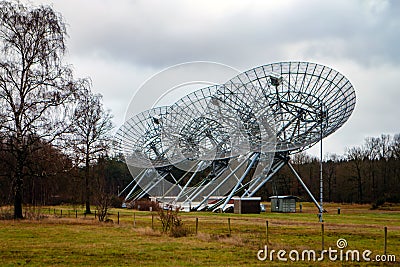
[[92, 126], [35, 87]]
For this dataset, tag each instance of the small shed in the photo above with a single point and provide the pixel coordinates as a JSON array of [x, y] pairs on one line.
[[283, 203], [246, 205]]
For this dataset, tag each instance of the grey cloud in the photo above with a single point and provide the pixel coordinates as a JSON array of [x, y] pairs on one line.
[[162, 34], [121, 43]]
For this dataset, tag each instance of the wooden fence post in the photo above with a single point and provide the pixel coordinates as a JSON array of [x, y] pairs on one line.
[[385, 246], [322, 236]]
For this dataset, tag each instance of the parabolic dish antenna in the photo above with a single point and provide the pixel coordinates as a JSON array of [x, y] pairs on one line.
[[304, 97], [217, 122], [234, 137], [139, 139]]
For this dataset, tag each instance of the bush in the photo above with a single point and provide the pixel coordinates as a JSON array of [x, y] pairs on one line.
[[179, 231], [393, 198], [171, 223], [143, 205], [34, 213], [116, 202], [378, 203], [6, 213], [103, 204], [31, 213]]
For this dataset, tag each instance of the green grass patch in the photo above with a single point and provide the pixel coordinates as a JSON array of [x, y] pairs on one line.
[[83, 241]]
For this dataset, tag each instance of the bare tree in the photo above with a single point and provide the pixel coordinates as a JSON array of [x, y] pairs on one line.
[[35, 87], [356, 155], [92, 126], [330, 167], [103, 199], [395, 147]]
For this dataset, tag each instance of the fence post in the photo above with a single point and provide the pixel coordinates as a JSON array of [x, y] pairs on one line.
[[61, 213], [197, 225], [385, 246], [229, 226], [118, 217], [134, 219], [266, 231], [152, 221], [95, 214], [76, 214], [322, 235]]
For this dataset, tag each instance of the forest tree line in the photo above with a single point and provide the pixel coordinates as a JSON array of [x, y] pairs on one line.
[[55, 134], [369, 173]]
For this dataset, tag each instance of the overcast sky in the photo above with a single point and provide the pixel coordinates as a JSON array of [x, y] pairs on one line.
[[119, 44]]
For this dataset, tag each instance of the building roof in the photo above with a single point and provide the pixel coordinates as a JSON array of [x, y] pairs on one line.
[[284, 197]]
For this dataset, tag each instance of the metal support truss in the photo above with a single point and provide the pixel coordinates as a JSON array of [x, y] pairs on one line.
[[257, 183], [199, 166], [282, 161], [220, 184], [151, 185], [128, 196], [255, 156], [304, 186], [201, 187]]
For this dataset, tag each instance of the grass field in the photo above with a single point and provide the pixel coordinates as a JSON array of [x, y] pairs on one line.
[[70, 241]]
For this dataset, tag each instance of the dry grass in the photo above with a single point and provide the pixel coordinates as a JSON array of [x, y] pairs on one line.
[[147, 231]]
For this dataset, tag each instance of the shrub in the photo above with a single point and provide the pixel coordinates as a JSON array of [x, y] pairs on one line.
[[103, 204], [116, 202], [144, 205], [6, 213], [378, 203], [34, 213], [171, 223]]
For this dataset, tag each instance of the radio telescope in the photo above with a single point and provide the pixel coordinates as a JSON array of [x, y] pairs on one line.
[[187, 181], [310, 101], [215, 123], [304, 97], [231, 139]]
